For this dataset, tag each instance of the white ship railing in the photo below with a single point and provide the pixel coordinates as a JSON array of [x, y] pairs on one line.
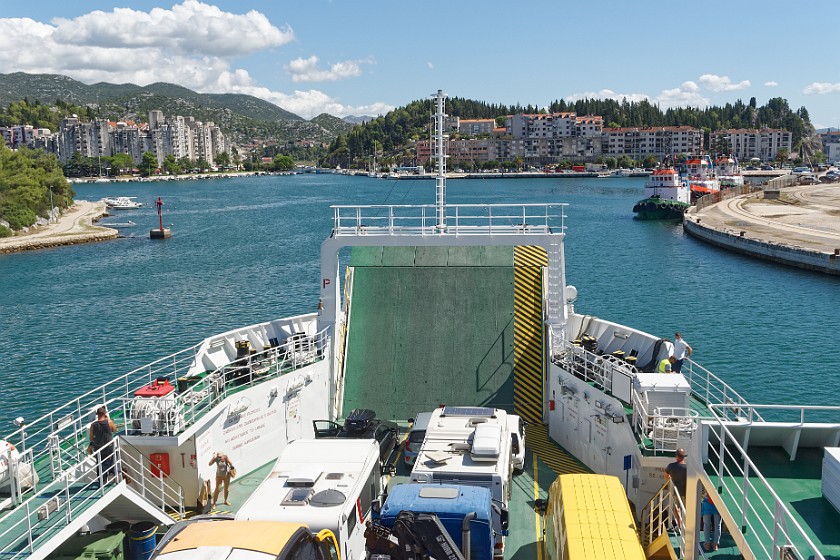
[[57, 437], [664, 512], [763, 514], [667, 428], [461, 219], [55, 505], [169, 415], [711, 389]]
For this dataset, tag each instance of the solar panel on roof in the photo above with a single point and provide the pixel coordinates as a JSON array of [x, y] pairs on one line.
[[468, 411]]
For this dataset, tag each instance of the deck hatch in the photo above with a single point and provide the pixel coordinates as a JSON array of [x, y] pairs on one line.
[[297, 497]]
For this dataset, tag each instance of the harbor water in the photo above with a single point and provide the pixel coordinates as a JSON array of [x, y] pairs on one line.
[[246, 250]]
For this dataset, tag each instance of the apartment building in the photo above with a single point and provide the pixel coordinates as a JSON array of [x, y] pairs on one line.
[[831, 145], [475, 127], [753, 143], [659, 141]]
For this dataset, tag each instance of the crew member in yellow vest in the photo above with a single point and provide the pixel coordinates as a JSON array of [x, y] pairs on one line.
[[667, 365]]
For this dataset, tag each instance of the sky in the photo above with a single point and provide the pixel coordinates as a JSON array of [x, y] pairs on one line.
[[366, 57]]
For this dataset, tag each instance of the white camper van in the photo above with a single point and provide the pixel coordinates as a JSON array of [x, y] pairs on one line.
[[325, 484], [470, 446]]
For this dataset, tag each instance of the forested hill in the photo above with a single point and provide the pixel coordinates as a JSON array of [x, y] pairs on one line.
[[393, 133], [26, 179]]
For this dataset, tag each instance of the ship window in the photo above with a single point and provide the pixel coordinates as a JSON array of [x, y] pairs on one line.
[[334, 476]]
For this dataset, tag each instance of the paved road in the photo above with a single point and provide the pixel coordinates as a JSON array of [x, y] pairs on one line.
[[806, 216], [77, 222]]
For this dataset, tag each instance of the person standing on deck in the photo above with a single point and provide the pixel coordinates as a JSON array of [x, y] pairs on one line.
[[223, 473], [682, 350], [678, 473], [101, 435]]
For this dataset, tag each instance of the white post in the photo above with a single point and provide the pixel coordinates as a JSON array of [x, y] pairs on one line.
[[440, 179]]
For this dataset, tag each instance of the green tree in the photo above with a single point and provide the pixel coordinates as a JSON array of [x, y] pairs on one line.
[[148, 164], [120, 163], [170, 165], [282, 163], [223, 160], [26, 179]]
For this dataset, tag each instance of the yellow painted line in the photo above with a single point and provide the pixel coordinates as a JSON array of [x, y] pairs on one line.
[[537, 511]]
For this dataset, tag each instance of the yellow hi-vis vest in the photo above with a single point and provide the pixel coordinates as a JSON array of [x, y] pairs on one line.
[[662, 364]]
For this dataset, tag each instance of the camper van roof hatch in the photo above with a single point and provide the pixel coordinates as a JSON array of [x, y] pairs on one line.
[[304, 477], [297, 497]]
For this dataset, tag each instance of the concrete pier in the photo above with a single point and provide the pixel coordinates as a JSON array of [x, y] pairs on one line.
[[796, 226], [75, 226]]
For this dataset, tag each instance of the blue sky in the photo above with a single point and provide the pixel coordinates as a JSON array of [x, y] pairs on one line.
[[345, 57]]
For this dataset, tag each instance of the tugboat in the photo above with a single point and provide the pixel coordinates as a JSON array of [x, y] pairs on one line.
[[729, 172], [702, 178], [666, 196]]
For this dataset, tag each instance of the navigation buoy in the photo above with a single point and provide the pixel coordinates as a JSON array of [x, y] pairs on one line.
[[162, 232]]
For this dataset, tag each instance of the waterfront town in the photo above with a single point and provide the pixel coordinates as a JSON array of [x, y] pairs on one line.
[[534, 139]]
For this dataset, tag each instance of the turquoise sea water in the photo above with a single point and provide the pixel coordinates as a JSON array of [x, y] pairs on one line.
[[246, 250]]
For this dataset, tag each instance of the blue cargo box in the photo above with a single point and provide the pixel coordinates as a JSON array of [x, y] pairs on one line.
[[450, 503]]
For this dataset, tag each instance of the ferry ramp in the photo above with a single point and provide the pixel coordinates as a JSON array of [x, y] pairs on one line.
[[430, 326]]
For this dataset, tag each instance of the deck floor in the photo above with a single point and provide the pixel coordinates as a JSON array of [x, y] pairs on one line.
[[798, 485]]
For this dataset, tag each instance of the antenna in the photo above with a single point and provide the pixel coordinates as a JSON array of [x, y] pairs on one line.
[[440, 179]]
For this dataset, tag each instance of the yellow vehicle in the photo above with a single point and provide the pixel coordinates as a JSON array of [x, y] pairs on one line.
[[220, 538], [588, 516]]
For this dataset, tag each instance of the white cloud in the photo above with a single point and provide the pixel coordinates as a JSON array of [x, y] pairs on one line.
[[607, 94], [771, 84], [716, 83], [306, 70], [687, 95], [192, 44], [821, 87], [430, 65]]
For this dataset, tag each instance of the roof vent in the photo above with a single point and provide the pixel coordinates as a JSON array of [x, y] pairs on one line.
[[297, 497], [328, 498]]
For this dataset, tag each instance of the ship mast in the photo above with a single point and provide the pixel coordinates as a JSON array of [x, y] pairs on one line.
[[439, 154]]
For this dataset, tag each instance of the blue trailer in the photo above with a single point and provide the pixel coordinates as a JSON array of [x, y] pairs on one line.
[[451, 503]]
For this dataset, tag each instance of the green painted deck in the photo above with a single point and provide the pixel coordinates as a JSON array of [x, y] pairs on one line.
[[798, 485], [430, 326]]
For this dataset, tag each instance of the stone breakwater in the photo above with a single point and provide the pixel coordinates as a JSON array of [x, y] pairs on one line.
[[73, 228]]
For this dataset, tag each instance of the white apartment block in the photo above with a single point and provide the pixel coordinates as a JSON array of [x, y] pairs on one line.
[[831, 146], [752, 143], [659, 141], [177, 136]]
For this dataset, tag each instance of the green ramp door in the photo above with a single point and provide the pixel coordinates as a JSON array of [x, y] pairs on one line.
[[430, 326]]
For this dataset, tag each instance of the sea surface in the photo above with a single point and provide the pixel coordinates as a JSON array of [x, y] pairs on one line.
[[246, 250]]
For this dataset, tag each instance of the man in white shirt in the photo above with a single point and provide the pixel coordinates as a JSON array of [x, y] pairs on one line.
[[682, 350]]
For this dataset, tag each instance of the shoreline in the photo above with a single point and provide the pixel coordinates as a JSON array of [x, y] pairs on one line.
[[73, 227]]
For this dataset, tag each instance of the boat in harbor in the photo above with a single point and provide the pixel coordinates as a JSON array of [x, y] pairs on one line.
[[122, 202], [467, 305], [701, 176], [728, 172], [666, 196]]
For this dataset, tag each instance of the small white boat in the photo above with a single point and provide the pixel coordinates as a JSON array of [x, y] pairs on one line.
[[122, 202]]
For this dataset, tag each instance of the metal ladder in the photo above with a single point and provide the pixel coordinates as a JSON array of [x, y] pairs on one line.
[[555, 282]]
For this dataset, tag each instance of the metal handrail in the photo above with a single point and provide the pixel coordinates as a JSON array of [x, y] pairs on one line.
[[64, 495], [711, 389], [663, 426], [161, 491], [465, 219], [659, 514], [773, 523], [169, 415], [64, 429]]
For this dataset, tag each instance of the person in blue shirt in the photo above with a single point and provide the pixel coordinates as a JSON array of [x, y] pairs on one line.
[[711, 522]]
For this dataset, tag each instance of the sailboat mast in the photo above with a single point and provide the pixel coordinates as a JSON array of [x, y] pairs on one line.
[[440, 179]]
